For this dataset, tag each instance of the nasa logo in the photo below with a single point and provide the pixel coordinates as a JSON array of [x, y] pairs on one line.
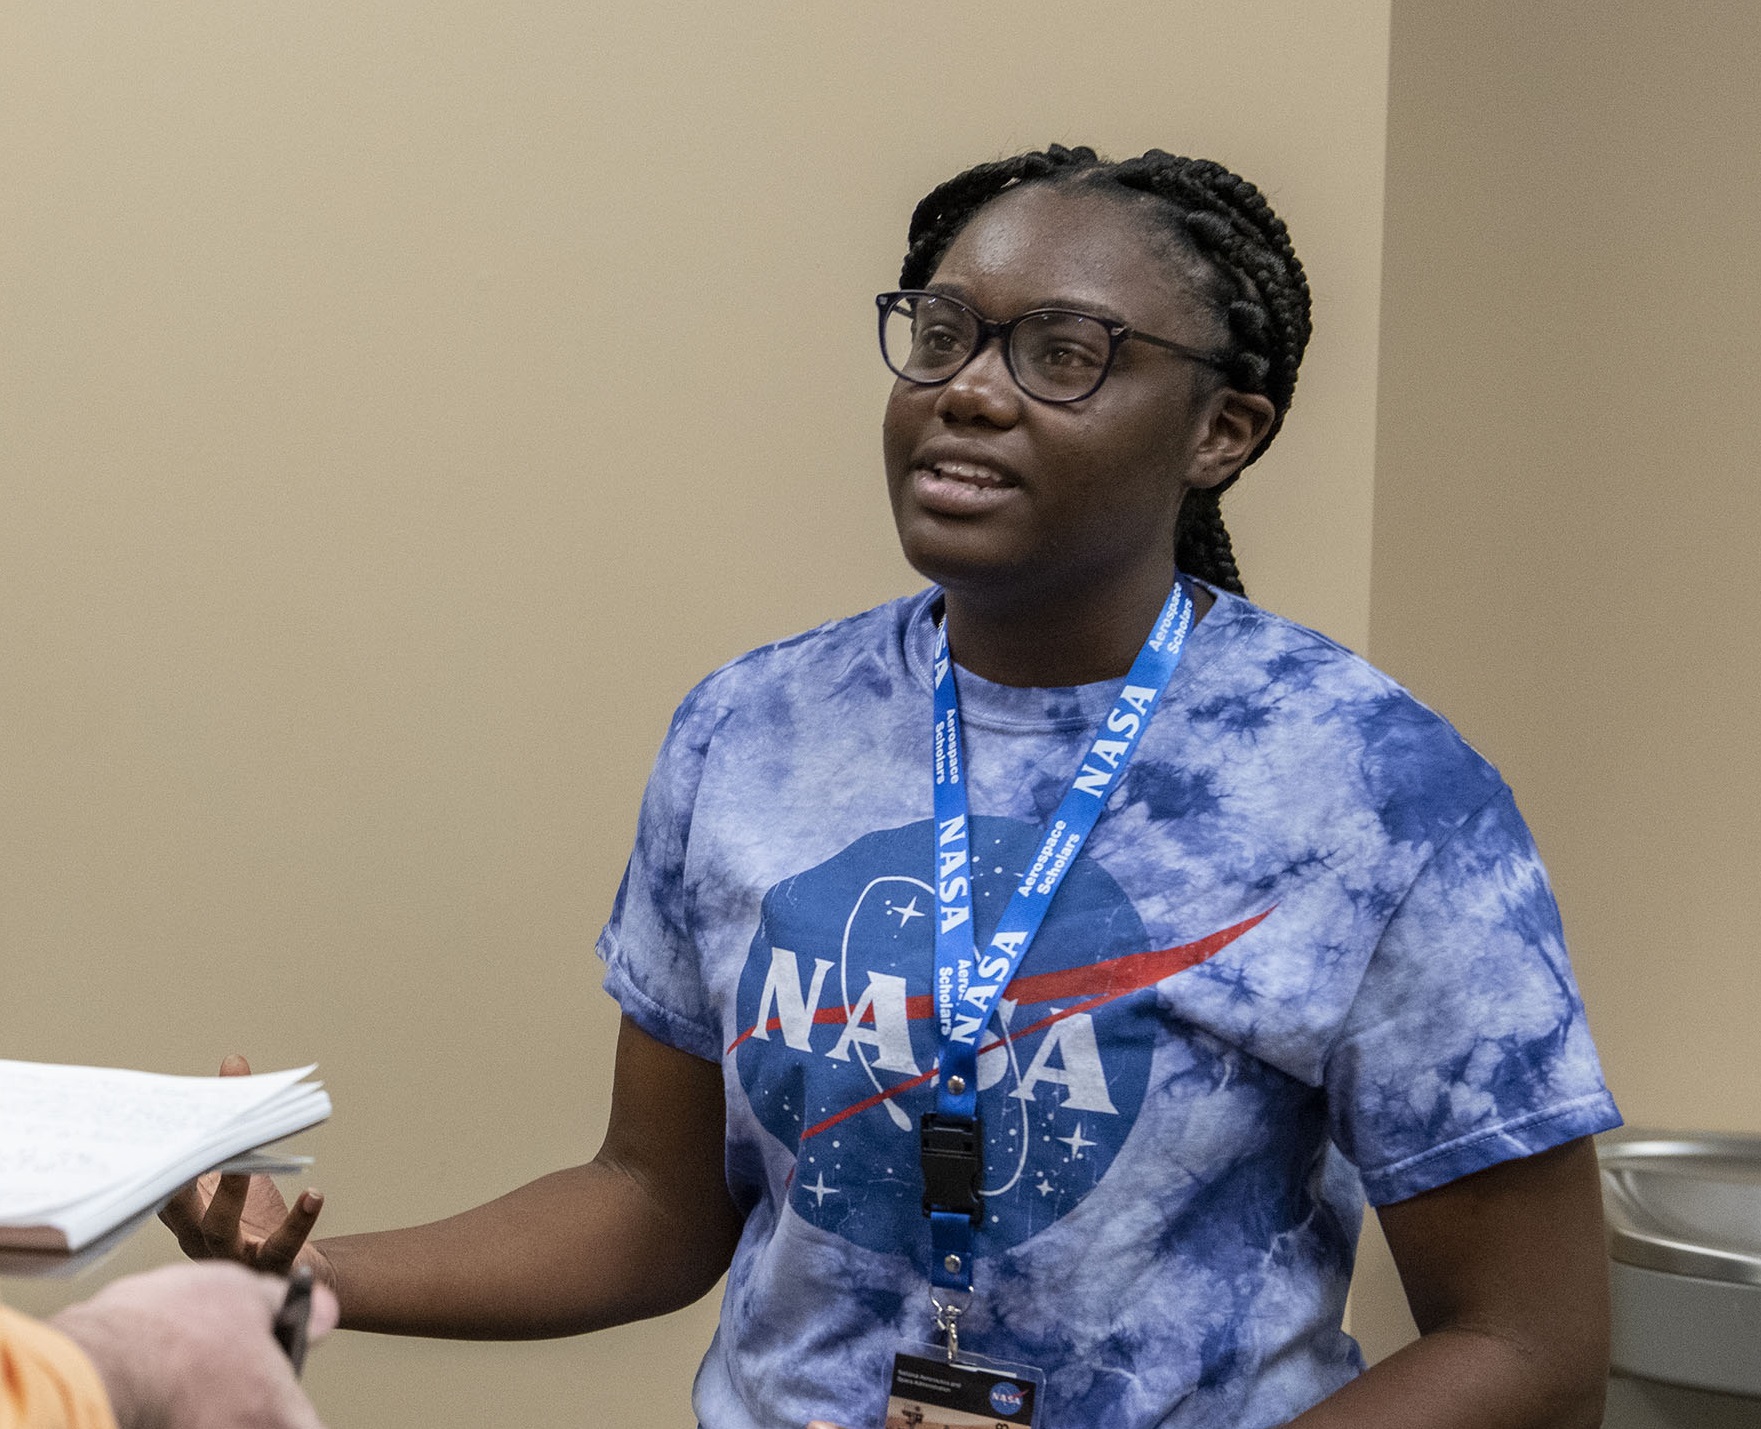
[[1006, 1397], [839, 1045]]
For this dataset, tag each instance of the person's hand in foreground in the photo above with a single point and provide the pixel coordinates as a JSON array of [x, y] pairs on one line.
[[191, 1347], [244, 1218]]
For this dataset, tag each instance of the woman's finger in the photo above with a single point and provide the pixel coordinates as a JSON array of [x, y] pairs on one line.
[[183, 1215], [220, 1222], [283, 1243], [205, 1215]]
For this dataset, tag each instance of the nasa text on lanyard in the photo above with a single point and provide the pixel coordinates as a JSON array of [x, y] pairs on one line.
[[969, 984]]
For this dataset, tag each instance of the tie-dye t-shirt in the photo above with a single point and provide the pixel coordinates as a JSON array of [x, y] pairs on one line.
[[1308, 954]]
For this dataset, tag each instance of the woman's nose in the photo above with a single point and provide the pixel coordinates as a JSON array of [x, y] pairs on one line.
[[983, 390]]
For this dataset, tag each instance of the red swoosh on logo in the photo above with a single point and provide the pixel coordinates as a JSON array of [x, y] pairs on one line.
[[1095, 984]]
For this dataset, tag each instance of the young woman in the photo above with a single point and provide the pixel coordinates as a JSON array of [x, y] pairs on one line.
[[1064, 952]]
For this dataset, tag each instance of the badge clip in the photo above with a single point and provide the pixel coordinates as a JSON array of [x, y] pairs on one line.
[[952, 1152], [948, 1322]]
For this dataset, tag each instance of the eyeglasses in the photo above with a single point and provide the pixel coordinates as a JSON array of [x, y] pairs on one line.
[[1054, 354]]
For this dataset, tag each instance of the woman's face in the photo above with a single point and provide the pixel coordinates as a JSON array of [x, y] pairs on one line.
[[999, 494]]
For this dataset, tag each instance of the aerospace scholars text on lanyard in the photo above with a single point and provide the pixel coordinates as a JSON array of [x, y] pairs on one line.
[[968, 985]]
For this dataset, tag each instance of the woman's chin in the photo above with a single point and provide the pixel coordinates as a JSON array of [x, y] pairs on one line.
[[969, 568]]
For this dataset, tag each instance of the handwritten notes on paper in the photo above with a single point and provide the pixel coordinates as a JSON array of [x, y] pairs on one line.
[[84, 1148]]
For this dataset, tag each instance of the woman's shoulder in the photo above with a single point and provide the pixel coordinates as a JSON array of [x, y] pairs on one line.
[[870, 651], [1278, 681], [1289, 660]]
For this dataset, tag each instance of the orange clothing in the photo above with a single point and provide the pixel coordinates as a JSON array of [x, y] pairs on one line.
[[46, 1382]]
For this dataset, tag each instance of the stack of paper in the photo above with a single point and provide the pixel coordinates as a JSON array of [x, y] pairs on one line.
[[83, 1149]]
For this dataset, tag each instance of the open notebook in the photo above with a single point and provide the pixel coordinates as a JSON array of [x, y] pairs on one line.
[[84, 1149]]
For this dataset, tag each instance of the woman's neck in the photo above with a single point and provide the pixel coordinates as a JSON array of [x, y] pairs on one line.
[[1052, 641]]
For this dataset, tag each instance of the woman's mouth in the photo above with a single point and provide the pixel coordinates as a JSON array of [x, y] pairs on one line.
[[960, 488]]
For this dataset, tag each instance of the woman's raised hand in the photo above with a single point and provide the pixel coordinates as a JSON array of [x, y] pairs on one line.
[[244, 1218]]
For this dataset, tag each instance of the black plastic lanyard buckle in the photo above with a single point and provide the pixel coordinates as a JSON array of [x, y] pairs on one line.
[[952, 1151]]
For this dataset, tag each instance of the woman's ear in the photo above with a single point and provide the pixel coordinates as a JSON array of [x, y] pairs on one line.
[[1235, 423]]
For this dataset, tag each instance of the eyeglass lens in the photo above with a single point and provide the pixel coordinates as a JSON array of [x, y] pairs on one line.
[[1056, 356]]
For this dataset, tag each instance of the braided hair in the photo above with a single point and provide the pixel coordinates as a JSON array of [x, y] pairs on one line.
[[1237, 252]]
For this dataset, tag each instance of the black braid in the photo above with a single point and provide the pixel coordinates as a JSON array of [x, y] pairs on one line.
[[1201, 541], [949, 207], [1247, 270]]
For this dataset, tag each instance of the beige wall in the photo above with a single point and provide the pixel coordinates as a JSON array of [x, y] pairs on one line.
[[1567, 512], [395, 424]]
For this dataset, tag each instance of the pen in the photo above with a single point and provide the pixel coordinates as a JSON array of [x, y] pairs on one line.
[[294, 1316]]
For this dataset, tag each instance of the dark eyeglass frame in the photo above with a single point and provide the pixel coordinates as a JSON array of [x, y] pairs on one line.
[[1118, 334]]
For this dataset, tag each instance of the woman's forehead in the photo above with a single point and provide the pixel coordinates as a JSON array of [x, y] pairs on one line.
[[1041, 246]]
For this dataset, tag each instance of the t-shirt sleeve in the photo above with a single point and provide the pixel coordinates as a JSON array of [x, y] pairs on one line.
[[45, 1381], [1466, 1044], [652, 968]]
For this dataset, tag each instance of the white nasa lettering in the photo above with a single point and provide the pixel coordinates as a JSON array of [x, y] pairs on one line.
[[1139, 697], [890, 1035], [1092, 781], [992, 968], [782, 990], [966, 1029], [1008, 944], [953, 917], [952, 830], [1122, 723], [953, 860], [993, 1057], [942, 662], [1111, 750], [1080, 1073], [978, 992]]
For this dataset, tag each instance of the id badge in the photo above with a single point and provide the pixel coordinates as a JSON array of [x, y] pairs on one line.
[[931, 1392]]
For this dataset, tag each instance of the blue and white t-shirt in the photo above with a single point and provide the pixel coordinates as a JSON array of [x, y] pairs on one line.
[[1308, 953]]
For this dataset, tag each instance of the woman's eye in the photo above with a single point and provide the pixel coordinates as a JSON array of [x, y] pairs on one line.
[[1067, 355], [1066, 358], [1062, 343], [937, 339]]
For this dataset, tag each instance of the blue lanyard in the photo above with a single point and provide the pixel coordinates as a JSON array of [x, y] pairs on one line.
[[968, 984]]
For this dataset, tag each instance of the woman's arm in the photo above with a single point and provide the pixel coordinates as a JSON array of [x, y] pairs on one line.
[[645, 1227], [1506, 1272]]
